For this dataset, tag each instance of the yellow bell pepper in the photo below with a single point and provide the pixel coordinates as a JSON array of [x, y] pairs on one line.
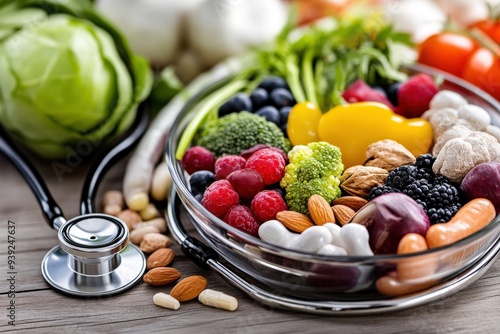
[[354, 126]]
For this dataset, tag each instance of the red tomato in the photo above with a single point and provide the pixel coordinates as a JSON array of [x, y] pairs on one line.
[[490, 28], [483, 70], [447, 51]]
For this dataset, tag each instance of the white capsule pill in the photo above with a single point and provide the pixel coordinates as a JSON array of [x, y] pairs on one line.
[[167, 301], [218, 299]]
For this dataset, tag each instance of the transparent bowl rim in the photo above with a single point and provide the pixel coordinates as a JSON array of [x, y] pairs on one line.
[[175, 169]]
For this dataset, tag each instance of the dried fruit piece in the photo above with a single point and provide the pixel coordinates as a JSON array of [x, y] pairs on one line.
[[161, 276], [294, 221], [189, 288], [320, 210]]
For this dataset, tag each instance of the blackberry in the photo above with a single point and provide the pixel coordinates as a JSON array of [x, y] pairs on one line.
[[425, 161], [401, 177], [437, 195], [424, 174], [418, 190], [442, 195], [442, 215], [381, 190]]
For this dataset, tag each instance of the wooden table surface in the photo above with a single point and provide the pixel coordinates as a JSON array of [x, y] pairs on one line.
[[476, 309]]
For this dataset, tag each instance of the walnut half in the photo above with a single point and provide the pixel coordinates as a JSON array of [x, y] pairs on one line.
[[359, 180], [388, 154]]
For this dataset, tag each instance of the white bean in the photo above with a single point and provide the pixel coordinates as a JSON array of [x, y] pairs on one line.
[[355, 239], [149, 212], [331, 250], [277, 234], [312, 239], [335, 231]]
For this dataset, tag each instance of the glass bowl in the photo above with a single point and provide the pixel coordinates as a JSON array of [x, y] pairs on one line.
[[317, 277]]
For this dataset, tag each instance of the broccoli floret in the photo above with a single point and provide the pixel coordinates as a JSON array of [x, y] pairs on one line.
[[236, 132], [313, 169]]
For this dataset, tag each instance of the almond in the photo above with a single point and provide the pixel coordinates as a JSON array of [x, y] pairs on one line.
[[353, 202], [160, 258], [189, 288], [153, 241], [161, 276], [343, 214], [294, 221], [319, 210]]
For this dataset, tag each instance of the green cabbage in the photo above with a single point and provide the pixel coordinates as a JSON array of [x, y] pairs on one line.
[[66, 76]]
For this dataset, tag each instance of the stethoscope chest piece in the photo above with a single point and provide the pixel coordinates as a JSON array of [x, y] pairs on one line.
[[93, 257]]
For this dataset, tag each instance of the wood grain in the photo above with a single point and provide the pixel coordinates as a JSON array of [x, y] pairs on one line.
[[39, 309]]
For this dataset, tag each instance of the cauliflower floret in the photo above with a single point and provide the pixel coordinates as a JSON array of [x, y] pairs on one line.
[[477, 117], [313, 169], [459, 155], [447, 99]]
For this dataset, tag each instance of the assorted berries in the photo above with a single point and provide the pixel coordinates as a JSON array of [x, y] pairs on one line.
[[237, 192]]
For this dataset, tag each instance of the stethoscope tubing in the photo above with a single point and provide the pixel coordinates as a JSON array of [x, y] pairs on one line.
[[104, 160], [206, 258]]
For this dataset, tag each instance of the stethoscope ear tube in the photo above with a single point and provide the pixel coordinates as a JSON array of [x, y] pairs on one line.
[[51, 211]]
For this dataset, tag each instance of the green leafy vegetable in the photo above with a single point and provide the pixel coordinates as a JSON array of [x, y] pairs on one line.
[[66, 76]]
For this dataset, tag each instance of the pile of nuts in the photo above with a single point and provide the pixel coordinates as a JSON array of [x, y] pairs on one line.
[[147, 230]]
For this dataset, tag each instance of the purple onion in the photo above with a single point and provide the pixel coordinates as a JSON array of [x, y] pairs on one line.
[[388, 218], [483, 181]]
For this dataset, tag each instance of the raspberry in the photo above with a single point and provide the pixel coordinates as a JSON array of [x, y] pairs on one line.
[[198, 158], [266, 204], [227, 164], [219, 197], [359, 91], [248, 153], [246, 182], [415, 95], [269, 164], [242, 218]]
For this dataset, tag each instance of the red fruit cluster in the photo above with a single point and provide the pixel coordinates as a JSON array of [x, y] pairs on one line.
[[242, 179]]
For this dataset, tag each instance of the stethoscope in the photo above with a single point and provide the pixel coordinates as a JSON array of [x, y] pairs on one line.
[[93, 257]]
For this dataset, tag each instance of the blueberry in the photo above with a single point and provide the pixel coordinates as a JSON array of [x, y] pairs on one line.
[[259, 98], [239, 102], [392, 93], [270, 113], [284, 113], [380, 90], [198, 197], [272, 82], [281, 97], [200, 180], [284, 128]]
